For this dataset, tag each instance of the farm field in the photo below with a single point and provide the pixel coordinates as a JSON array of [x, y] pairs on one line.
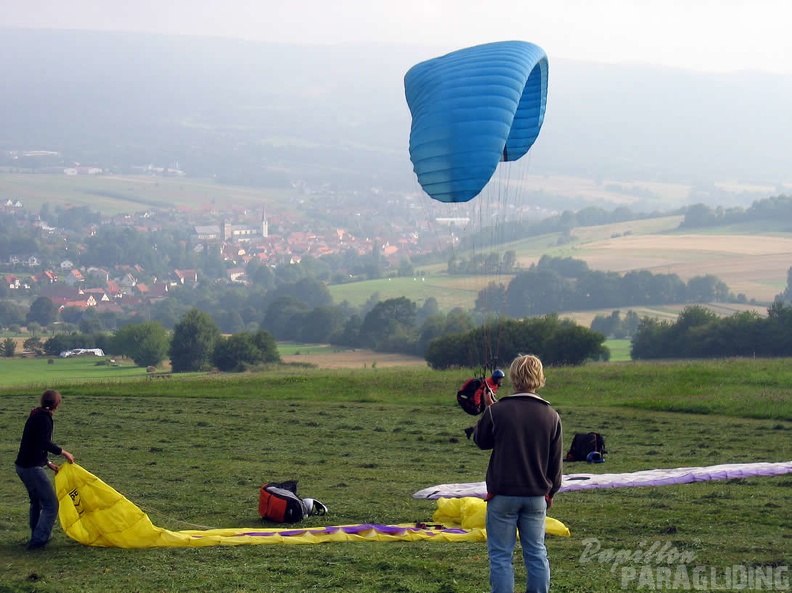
[[461, 291], [40, 372], [450, 291], [755, 266], [750, 263], [124, 191], [112, 194], [352, 359], [669, 195], [325, 356], [192, 453], [663, 313]]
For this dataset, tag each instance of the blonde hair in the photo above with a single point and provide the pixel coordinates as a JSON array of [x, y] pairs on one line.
[[51, 400], [526, 373]]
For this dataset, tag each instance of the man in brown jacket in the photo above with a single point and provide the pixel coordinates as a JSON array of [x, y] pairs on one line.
[[525, 468]]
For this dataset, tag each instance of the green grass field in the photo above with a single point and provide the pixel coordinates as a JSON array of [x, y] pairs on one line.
[[450, 291], [41, 372], [290, 349], [619, 349], [192, 452]]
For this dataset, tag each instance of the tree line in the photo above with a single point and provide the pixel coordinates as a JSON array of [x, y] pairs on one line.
[[555, 341], [195, 344], [772, 209], [700, 333], [558, 284], [304, 311]]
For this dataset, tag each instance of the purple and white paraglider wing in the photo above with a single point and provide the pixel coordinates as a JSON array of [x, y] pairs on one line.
[[651, 477]]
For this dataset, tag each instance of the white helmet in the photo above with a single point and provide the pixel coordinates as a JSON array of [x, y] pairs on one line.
[[314, 507]]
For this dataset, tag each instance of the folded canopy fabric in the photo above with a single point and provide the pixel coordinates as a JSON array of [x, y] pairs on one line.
[[651, 477], [94, 514]]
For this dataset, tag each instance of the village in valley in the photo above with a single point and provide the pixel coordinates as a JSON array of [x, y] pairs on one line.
[[238, 235]]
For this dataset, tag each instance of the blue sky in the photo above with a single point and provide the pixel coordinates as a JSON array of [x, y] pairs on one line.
[[705, 35]]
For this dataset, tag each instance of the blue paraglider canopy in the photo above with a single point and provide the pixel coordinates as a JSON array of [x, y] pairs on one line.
[[472, 109]]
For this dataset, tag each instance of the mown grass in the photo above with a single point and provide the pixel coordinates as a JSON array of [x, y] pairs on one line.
[[192, 452], [40, 371], [749, 388]]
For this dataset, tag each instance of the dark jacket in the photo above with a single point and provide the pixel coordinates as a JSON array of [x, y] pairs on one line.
[[525, 435], [37, 440]]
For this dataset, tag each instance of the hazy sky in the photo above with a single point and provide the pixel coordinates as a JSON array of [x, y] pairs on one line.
[[708, 35]]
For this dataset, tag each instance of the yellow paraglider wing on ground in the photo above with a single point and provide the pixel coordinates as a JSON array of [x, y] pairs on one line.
[[471, 513], [94, 514]]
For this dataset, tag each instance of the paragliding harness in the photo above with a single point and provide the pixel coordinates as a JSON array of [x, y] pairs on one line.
[[279, 502], [588, 446], [471, 396]]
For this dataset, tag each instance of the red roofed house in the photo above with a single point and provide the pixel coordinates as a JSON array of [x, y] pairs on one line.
[[73, 277], [186, 276], [84, 303], [61, 294]]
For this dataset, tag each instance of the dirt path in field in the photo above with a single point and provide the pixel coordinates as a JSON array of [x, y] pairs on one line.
[[358, 359]]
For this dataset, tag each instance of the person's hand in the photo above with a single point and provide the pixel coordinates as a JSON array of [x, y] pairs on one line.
[[548, 501], [69, 457], [488, 401]]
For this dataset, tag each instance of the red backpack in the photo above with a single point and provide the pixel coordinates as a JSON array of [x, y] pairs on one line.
[[470, 397], [279, 502]]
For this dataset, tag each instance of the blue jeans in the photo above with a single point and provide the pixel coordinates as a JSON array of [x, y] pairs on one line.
[[43, 503], [505, 516]]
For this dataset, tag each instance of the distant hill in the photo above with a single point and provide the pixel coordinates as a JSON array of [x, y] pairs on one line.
[[268, 114]]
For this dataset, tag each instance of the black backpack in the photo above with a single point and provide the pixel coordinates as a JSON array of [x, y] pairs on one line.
[[587, 446]]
